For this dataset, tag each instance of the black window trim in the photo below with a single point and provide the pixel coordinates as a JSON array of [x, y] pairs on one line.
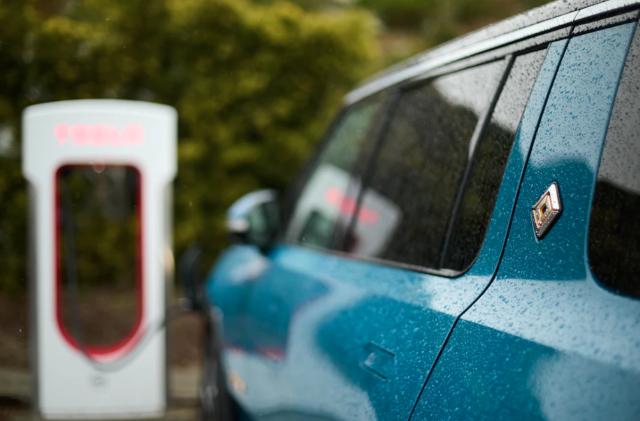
[[508, 54], [393, 93], [478, 131], [536, 42]]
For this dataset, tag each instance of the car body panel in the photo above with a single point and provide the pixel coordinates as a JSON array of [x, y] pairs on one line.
[[546, 340], [316, 335]]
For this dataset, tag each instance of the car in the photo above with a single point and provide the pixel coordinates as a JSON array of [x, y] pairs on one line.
[[465, 242]]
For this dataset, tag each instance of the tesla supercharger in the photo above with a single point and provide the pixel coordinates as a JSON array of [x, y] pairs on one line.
[[100, 174]]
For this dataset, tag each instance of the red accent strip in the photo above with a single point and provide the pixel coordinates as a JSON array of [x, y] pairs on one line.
[[128, 342], [347, 205]]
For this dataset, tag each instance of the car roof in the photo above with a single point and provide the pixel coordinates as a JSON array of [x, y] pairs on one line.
[[555, 15]]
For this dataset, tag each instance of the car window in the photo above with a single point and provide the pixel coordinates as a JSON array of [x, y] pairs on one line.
[[614, 229], [470, 222], [328, 199], [405, 211]]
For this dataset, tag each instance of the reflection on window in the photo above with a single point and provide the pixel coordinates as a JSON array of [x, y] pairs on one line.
[[421, 163], [489, 161], [614, 246], [328, 199]]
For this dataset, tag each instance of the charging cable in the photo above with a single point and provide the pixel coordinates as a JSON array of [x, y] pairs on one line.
[[152, 328]]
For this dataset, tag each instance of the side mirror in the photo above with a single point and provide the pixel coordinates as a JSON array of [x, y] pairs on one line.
[[254, 219], [190, 276]]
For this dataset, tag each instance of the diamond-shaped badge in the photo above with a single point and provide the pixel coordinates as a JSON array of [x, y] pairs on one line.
[[546, 210]]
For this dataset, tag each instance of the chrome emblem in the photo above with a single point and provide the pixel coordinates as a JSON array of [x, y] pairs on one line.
[[546, 210]]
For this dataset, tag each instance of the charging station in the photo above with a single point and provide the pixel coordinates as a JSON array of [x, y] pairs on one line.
[[99, 174]]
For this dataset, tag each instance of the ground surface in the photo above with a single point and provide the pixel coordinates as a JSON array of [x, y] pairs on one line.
[[184, 337]]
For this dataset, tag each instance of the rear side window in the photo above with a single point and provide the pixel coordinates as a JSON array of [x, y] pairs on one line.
[[614, 229], [407, 203], [471, 218], [437, 173], [328, 199]]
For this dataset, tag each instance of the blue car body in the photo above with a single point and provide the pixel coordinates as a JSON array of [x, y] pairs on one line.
[[527, 331]]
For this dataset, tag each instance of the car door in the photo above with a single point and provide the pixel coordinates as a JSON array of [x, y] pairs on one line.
[[397, 230], [556, 334]]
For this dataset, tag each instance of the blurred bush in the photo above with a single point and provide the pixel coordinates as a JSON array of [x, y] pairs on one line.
[[440, 20], [254, 85], [411, 26]]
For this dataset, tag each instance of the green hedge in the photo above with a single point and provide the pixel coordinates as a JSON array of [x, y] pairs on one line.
[[254, 85]]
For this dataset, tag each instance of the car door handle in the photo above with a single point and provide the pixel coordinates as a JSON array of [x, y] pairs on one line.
[[377, 360]]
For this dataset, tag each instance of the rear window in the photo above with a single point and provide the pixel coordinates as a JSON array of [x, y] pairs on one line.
[[437, 174], [614, 229], [471, 219], [406, 207]]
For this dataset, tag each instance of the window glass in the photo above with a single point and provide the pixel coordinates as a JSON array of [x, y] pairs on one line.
[[614, 230], [489, 161], [409, 198], [328, 199]]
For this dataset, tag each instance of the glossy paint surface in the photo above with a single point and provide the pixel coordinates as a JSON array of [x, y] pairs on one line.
[[546, 340], [311, 335], [321, 336]]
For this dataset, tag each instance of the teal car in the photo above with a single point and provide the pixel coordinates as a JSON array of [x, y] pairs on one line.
[[465, 243]]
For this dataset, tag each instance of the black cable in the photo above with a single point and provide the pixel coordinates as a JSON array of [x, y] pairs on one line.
[[150, 330]]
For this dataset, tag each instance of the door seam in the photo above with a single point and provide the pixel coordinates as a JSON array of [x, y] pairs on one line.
[[506, 239]]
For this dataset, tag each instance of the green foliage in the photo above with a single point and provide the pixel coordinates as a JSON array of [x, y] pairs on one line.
[[441, 20], [254, 85], [98, 225], [253, 129]]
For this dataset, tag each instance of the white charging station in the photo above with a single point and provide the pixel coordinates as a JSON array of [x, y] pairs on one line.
[[119, 157]]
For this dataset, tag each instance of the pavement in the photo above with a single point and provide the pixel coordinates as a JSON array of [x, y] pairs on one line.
[[15, 395]]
